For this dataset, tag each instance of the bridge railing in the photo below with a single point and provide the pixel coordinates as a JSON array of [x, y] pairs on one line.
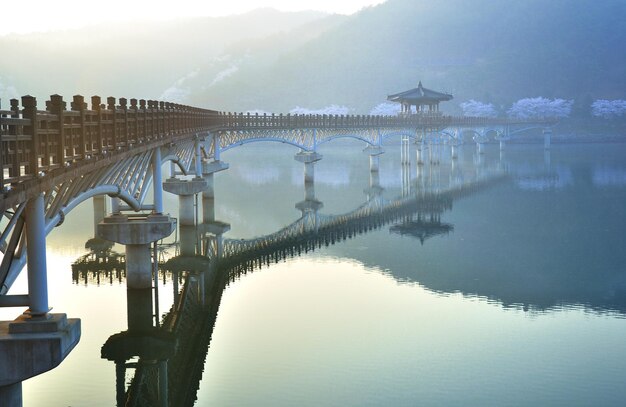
[[34, 141], [248, 121]]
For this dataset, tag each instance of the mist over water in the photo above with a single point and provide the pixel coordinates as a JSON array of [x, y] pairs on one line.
[[517, 303]]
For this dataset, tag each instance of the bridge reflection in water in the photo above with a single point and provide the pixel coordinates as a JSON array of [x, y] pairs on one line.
[[167, 353]]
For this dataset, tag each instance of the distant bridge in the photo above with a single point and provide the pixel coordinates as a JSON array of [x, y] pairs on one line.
[[54, 159]]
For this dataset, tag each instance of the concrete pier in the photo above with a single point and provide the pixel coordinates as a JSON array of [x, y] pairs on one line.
[[137, 233], [374, 152], [308, 159], [31, 346], [142, 340], [185, 191]]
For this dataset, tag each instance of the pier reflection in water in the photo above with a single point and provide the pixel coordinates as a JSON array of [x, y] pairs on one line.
[[440, 229]]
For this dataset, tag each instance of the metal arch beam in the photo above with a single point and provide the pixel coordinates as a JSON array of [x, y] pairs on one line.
[[265, 139], [512, 132], [407, 133], [176, 160], [352, 136], [111, 190]]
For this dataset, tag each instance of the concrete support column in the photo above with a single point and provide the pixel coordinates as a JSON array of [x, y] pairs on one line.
[[186, 210], [309, 191], [217, 148], [157, 181], [208, 201], [36, 255], [115, 206], [547, 138], [453, 153], [187, 240], [137, 234], [480, 148], [309, 172], [198, 157], [502, 144], [138, 266], [99, 209], [139, 310], [308, 159], [374, 163]]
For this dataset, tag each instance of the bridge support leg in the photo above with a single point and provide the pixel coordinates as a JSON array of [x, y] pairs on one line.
[[208, 201], [502, 145], [36, 254], [36, 341], [157, 181], [453, 153], [374, 163], [308, 159], [547, 138], [480, 148], [99, 209]]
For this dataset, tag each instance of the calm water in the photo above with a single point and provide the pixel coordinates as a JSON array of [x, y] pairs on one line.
[[517, 298]]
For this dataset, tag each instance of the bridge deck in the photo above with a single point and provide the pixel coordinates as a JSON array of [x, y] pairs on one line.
[[43, 148]]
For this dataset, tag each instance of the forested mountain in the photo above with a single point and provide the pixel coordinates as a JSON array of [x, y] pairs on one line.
[[492, 50], [495, 51]]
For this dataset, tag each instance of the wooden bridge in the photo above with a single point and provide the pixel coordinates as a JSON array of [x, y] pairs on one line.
[[52, 160], [43, 148]]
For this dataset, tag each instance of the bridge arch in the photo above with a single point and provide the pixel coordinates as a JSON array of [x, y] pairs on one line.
[[265, 139], [350, 136]]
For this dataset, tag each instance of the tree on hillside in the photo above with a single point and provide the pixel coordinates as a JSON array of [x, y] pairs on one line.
[[473, 108], [386, 109], [608, 108], [530, 108]]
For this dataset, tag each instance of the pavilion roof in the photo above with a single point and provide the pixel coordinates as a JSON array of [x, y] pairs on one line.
[[419, 94]]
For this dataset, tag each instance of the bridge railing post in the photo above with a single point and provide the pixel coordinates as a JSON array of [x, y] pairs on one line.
[[123, 118], [57, 107], [29, 103], [97, 108], [78, 105]]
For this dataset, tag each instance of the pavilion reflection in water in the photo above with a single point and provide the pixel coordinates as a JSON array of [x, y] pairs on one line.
[[168, 353]]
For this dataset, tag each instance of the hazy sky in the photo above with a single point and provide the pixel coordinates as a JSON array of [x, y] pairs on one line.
[[43, 15]]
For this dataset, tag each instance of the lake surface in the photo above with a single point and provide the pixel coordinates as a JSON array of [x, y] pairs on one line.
[[513, 294]]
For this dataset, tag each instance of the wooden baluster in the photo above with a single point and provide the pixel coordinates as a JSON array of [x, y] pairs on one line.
[[161, 119], [124, 122], [97, 107], [145, 135], [29, 112], [153, 130], [134, 122], [78, 104], [57, 107], [14, 130], [114, 130]]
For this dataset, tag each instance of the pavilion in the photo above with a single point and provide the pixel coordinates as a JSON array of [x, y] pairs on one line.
[[424, 100]]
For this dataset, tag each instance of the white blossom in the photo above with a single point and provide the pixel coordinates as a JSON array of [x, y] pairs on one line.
[[530, 108], [608, 108], [386, 109], [473, 108], [332, 109]]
